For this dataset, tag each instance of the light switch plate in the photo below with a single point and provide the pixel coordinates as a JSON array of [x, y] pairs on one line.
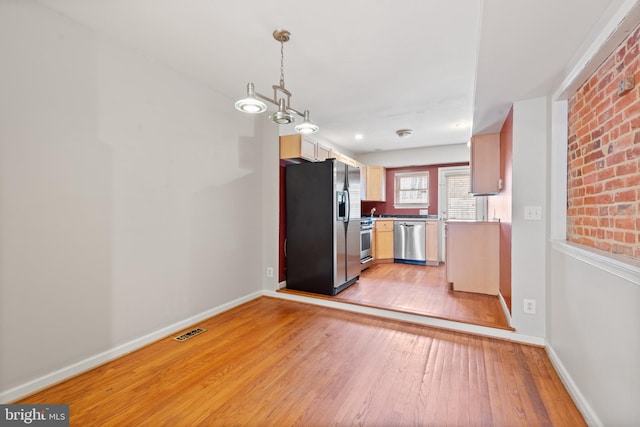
[[533, 213]]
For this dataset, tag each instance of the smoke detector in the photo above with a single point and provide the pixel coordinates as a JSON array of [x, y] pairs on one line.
[[404, 133]]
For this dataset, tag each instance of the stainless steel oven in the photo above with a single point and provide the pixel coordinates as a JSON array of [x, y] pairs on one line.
[[366, 235]]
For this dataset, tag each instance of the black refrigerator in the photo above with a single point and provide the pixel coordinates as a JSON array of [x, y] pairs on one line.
[[323, 226]]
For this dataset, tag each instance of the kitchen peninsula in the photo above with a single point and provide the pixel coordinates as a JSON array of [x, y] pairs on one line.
[[473, 256]]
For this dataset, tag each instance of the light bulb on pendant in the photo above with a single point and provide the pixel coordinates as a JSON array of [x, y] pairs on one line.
[[306, 126], [282, 116], [251, 104]]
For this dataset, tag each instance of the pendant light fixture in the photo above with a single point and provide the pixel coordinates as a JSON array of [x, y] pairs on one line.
[[254, 103]]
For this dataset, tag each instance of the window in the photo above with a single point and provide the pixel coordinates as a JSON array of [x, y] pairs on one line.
[[454, 199], [460, 203], [412, 190]]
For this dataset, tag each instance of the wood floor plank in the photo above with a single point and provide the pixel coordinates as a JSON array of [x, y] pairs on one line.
[[273, 362], [422, 290]]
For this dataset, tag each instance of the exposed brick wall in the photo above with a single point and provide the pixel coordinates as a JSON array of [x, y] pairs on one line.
[[604, 156]]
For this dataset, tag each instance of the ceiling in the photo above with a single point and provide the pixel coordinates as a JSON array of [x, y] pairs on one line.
[[445, 69]]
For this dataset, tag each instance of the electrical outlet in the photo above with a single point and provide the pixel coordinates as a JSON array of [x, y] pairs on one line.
[[530, 306], [269, 271]]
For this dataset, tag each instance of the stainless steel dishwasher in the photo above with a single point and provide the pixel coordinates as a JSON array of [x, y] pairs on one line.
[[409, 241]]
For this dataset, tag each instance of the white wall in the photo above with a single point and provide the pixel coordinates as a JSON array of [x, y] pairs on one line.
[[593, 309], [594, 329], [588, 306], [528, 238], [270, 202], [440, 154], [129, 195]]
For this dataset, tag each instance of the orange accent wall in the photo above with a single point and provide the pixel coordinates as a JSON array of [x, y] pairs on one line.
[[499, 206], [282, 230]]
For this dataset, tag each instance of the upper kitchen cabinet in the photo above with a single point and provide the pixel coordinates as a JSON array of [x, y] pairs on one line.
[[344, 159], [485, 164], [297, 147], [373, 183], [322, 153]]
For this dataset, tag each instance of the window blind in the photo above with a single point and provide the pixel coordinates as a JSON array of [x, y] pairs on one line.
[[460, 203]]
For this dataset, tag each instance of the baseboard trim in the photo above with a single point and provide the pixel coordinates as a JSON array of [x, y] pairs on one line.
[[505, 308], [581, 402], [92, 362], [414, 318]]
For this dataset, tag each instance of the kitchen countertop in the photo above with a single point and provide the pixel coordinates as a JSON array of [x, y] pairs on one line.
[[391, 217], [497, 221], [426, 218]]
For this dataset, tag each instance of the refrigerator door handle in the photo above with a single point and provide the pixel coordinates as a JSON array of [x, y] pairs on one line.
[[348, 206], [341, 205]]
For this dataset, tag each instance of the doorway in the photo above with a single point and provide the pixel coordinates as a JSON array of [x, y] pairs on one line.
[[455, 201]]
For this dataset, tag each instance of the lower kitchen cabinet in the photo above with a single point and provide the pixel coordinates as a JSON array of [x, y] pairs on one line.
[[432, 242], [383, 241], [473, 256]]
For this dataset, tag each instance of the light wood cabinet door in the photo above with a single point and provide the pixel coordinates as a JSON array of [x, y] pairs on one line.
[[373, 244], [322, 153], [375, 188], [485, 164], [432, 242], [297, 147], [363, 182], [384, 240], [345, 159], [384, 224], [473, 256]]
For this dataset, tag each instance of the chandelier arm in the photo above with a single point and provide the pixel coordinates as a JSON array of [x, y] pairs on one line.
[[293, 110], [275, 102], [265, 98]]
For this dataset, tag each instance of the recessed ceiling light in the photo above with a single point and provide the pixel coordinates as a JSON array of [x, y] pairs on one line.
[[359, 136], [404, 133]]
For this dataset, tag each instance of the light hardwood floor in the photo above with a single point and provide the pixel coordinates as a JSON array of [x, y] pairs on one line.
[[273, 362], [420, 290]]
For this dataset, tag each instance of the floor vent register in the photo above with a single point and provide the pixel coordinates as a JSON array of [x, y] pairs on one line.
[[189, 334]]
